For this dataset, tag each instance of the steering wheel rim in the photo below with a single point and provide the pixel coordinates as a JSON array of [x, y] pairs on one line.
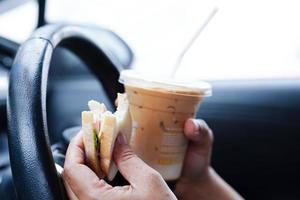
[[33, 168]]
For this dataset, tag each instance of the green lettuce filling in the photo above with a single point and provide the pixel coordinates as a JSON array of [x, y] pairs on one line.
[[96, 141]]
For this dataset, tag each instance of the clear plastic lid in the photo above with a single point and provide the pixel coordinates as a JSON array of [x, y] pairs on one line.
[[188, 87]]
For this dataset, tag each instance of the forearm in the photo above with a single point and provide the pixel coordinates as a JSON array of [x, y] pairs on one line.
[[212, 188]]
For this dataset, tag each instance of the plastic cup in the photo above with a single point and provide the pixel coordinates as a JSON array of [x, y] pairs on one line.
[[159, 108]]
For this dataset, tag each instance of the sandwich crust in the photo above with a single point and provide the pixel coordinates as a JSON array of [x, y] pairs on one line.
[[108, 134], [91, 143]]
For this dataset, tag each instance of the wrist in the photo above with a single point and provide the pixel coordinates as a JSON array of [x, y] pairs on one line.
[[205, 183], [192, 186], [208, 186], [214, 187], [207, 179]]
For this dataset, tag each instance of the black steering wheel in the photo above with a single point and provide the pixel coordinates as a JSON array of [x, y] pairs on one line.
[[33, 168]]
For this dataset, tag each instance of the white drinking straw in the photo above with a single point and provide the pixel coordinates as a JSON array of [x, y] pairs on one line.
[[192, 40]]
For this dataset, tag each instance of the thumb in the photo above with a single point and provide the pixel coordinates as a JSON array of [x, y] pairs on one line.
[[199, 134], [198, 155], [134, 170]]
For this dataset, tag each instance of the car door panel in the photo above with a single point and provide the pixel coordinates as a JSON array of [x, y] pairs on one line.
[[256, 128]]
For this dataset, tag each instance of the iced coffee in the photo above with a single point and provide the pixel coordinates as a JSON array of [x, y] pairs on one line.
[[159, 109]]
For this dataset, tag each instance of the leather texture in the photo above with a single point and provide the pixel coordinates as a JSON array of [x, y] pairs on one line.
[[32, 163]]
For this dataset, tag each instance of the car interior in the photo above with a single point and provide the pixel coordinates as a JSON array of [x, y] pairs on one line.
[[42, 93]]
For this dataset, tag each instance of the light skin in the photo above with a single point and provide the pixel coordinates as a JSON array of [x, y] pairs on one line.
[[198, 180]]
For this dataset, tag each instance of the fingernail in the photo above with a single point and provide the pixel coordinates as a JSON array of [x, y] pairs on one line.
[[196, 132], [196, 125], [192, 126], [122, 139]]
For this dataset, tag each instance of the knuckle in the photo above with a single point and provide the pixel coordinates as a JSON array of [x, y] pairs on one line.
[[92, 192], [122, 189], [153, 176], [99, 183], [126, 155]]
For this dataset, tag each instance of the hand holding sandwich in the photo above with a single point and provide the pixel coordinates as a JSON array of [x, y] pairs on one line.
[[95, 153], [82, 183], [198, 179]]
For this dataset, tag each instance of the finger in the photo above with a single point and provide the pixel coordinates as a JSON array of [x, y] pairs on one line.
[[81, 179], [134, 170], [84, 183], [198, 132], [75, 152], [198, 153], [69, 191]]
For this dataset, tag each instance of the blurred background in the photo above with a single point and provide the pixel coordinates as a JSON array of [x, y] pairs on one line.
[[245, 40]]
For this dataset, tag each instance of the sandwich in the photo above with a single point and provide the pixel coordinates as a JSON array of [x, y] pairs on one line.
[[100, 129]]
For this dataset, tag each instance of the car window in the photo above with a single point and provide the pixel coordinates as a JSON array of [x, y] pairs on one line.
[[255, 39], [18, 18], [246, 39]]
